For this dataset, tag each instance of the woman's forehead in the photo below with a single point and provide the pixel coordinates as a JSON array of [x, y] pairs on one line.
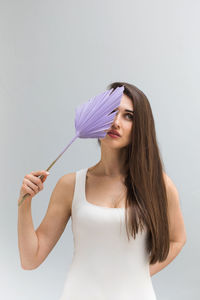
[[126, 103]]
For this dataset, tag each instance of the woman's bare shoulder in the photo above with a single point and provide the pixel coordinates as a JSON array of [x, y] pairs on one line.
[[168, 181], [67, 183], [68, 177], [171, 188]]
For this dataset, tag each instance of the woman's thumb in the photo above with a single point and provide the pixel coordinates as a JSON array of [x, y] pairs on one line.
[[45, 174]]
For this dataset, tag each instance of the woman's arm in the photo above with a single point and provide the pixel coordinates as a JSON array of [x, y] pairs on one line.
[[175, 248], [176, 227], [27, 238], [35, 245]]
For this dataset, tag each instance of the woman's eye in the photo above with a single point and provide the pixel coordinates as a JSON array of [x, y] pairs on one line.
[[130, 116]]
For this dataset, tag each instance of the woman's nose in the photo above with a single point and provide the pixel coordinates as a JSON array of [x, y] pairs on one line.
[[116, 119]]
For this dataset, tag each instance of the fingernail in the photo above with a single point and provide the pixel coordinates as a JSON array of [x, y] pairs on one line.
[[47, 173]]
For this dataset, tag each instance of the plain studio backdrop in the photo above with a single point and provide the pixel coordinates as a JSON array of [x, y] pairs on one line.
[[55, 55]]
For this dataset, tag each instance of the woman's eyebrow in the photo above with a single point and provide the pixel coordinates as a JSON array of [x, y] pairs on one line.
[[129, 110]]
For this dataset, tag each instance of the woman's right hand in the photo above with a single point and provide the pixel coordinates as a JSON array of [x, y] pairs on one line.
[[32, 184]]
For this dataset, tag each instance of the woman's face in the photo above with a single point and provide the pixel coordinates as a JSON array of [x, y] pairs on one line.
[[123, 123]]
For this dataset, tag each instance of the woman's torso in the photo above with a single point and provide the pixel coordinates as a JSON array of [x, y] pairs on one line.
[[105, 264]]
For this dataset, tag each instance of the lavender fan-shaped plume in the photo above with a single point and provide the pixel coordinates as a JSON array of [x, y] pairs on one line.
[[93, 118]]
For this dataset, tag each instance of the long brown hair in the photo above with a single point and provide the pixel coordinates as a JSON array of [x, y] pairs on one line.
[[146, 200]]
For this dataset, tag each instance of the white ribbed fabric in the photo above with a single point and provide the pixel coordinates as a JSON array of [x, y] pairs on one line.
[[105, 265]]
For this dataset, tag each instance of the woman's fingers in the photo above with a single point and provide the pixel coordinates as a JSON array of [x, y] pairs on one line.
[[32, 183]]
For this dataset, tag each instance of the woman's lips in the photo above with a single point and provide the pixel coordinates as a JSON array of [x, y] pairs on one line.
[[113, 135]]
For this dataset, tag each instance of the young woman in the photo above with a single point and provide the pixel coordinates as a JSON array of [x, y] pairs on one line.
[[126, 217]]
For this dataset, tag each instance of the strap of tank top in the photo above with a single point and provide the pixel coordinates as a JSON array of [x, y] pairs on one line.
[[79, 190]]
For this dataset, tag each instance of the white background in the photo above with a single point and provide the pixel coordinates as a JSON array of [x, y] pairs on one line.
[[55, 55]]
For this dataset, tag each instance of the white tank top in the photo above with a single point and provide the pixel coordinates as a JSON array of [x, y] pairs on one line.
[[105, 265]]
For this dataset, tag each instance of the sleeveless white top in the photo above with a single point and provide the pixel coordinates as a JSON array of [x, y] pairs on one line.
[[105, 265]]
